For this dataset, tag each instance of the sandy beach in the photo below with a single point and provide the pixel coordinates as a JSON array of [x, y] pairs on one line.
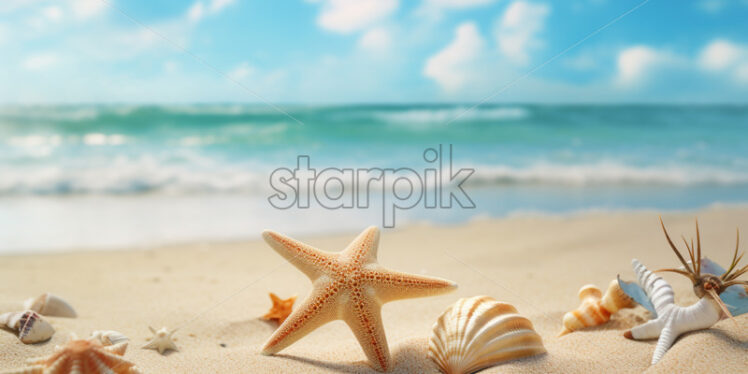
[[216, 292]]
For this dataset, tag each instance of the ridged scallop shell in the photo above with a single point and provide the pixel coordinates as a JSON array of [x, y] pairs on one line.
[[50, 305], [84, 356], [479, 332], [596, 308], [31, 327]]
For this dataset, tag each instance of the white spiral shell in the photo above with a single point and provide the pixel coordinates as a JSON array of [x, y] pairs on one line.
[[479, 332]]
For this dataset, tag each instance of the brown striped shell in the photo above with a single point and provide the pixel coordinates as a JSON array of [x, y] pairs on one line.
[[31, 327], [596, 308], [479, 332]]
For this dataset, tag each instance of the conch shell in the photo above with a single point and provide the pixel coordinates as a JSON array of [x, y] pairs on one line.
[[596, 308], [31, 327], [50, 305], [479, 332], [82, 356]]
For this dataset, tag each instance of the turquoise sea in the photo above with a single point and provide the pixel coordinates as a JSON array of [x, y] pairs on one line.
[[121, 175]]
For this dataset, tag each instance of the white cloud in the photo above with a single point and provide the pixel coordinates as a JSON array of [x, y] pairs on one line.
[[199, 9], [457, 4], [518, 28], [434, 9], [454, 4], [718, 6], [45, 17], [52, 13], [242, 71], [42, 61], [87, 8], [347, 16], [712, 6], [218, 5], [635, 63], [451, 67], [725, 56], [377, 39], [720, 54], [196, 12]]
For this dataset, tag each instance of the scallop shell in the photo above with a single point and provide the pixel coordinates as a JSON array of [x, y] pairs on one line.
[[50, 305], [109, 337], [84, 356], [31, 327], [479, 332], [596, 308]]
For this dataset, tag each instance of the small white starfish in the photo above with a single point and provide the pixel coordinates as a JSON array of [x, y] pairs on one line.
[[672, 320], [162, 340]]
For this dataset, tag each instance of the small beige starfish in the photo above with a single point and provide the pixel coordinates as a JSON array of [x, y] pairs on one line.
[[162, 340], [351, 286]]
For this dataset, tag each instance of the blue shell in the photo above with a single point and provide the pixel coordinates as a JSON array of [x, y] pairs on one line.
[[735, 296], [636, 292]]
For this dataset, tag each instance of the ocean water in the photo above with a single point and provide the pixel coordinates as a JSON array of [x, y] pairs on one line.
[[119, 176]]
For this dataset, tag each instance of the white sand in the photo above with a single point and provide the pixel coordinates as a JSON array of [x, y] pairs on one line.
[[537, 264]]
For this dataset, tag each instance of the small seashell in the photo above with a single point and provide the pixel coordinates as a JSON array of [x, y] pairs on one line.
[[596, 308], [109, 337], [31, 327], [50, 305], [87, 356], [615, 299], [479, 332]]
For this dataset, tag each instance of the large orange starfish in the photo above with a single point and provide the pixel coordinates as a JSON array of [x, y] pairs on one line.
[[351, 286]]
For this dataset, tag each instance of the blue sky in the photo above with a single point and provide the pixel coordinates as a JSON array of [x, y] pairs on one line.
[[340, 51]]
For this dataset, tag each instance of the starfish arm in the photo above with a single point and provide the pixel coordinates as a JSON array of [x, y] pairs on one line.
[[172, 345], [701, 315], [318, 309], [392, 285], [275, 299], [363, 249], [365, 320], [304, 257], [680, 320], [648, 330], [667, 337], [161, 345]]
